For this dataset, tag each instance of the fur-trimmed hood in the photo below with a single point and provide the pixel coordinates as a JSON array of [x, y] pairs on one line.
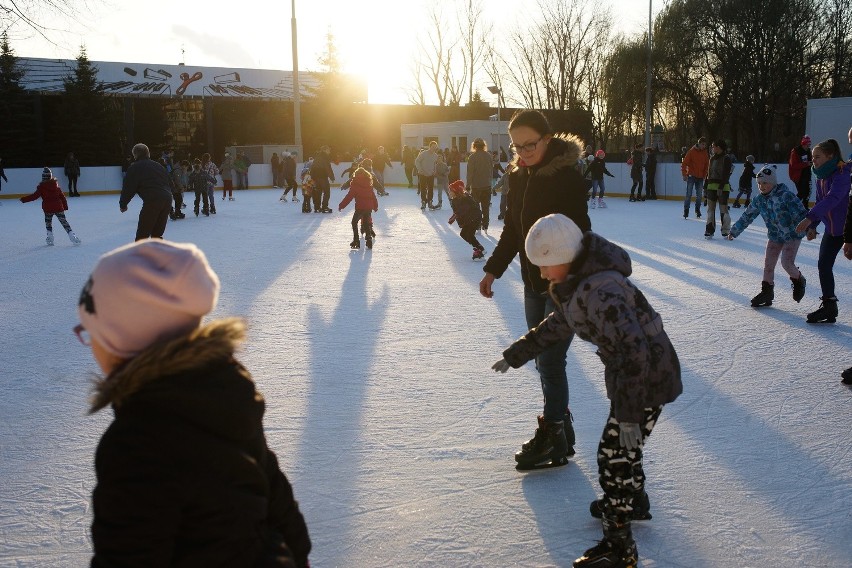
[[563, 150], [214, 342]]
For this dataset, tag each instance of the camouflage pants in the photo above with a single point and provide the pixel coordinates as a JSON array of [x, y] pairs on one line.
[[620, 470]]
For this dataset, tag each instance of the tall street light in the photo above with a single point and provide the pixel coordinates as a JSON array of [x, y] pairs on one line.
[[495, 90], [297, 111], [648, 83]]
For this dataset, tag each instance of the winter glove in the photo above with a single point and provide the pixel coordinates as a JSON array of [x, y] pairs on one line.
[[502, 366], [452, 220], [630, 435]]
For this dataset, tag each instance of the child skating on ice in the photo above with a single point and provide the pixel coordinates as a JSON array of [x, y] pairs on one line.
[[781, 210], [467, 212], [361, 190], [595, 299], [596, 171], [746, 179], [53, 202], [199, 181]]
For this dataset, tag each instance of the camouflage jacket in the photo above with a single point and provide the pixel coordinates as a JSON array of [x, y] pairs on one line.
[[600, 304]]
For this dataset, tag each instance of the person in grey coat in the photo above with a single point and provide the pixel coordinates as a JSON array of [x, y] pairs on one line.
[[596, 301]]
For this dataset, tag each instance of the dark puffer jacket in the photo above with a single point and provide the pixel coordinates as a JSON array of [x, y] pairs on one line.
[[600, 304], [185, 477], [552, 186]]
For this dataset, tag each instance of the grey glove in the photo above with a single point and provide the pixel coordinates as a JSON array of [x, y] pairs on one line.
[[501, 366], [630, 436]]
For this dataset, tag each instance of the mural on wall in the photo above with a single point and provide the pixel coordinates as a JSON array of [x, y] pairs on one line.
[[140, 79]]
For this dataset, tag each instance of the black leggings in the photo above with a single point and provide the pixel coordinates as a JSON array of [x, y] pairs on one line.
[[468, 233]]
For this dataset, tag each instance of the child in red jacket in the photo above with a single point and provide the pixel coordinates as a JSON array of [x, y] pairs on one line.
[[361, 189], [52, 203]]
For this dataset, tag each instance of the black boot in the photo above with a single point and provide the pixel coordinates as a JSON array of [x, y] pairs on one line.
[[570, 438], [827, 312], [767, 294], [641, 508], [846, 376], [356, 243], [546, 448], [616, 550], [799, 287]]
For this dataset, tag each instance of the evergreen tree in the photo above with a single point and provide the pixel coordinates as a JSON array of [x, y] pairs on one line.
[[90, 125], [19, 134]]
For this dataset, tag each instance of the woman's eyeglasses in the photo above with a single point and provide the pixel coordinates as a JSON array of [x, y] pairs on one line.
[[525, 148], [82, 335]]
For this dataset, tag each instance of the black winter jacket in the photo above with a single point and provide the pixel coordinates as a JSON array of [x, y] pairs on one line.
[[147, 178], [466, 211], [552, 186], [184, 475]]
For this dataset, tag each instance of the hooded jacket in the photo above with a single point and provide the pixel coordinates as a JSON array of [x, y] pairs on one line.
[[781, 210], [832, 200], [184, 475], [52, 198], [551, 186], [360, 189], [599, 303], [695, 163]]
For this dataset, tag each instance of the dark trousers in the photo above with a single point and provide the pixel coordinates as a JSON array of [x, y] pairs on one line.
[[322, 193], [828, 250], [177, 196], [650, 184], [201, 196], [483, 198], [72, 185], [409, 173], [620, 471], [366, 219], [637, 184], [427, 188], [468, 233], [803, 190], [153, 218], [290, 185]]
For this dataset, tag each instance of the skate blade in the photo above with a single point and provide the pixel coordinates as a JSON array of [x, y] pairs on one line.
[[559, 462]]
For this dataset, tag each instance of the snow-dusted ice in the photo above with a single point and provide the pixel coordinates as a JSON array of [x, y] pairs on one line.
[[396, 435]]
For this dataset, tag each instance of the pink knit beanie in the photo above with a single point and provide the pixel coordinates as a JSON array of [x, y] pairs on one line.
[[147, 292]]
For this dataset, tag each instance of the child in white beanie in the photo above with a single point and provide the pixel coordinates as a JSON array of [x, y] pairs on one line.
[[595, 299], [781, 210], [184, 474], [53, 202]]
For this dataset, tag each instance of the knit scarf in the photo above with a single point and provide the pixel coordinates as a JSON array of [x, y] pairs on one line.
[[826, 169]]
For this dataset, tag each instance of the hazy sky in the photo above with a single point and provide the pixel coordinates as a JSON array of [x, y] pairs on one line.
[[375, 38]]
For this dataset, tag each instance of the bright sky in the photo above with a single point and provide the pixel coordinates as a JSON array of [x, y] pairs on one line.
[[375, 38]]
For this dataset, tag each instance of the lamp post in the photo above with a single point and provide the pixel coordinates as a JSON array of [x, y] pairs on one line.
[[297, 111], [648, 83], [495, 90]]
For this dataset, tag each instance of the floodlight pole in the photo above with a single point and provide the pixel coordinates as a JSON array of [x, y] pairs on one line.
[[648, 83], [297, 114], [495, 90]]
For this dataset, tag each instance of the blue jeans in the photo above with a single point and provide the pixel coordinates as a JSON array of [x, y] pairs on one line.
[[698, 184], [551, 363], [597, 183], [828, 249]]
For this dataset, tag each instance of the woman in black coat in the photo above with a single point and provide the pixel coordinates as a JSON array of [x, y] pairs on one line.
[[542, 179]]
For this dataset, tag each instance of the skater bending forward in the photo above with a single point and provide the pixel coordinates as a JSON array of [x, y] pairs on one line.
[[594, 298], [466, 212]]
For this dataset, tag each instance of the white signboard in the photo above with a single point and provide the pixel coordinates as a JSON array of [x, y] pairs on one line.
[[142, 79]]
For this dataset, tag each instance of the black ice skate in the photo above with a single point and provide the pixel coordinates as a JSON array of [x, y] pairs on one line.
[[846, 376], [827, 312], [767, 294], [799, 287], [546, 449], [478, 254], [369, 242], [641, 508], [355, 244], [616, 550]]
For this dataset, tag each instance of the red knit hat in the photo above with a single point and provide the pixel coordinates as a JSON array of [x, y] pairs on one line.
[[457, 186], [806, 140]]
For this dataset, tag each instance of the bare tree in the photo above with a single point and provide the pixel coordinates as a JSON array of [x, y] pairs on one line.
[[34, 15], [474, 39]]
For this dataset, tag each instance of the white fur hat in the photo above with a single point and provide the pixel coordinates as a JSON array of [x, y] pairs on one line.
[[146, 292], [553, 239]]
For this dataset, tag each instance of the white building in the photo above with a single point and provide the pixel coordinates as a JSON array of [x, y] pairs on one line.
[[460, 133]]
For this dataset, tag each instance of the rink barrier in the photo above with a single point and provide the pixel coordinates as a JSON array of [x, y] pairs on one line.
[[106, 180]]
